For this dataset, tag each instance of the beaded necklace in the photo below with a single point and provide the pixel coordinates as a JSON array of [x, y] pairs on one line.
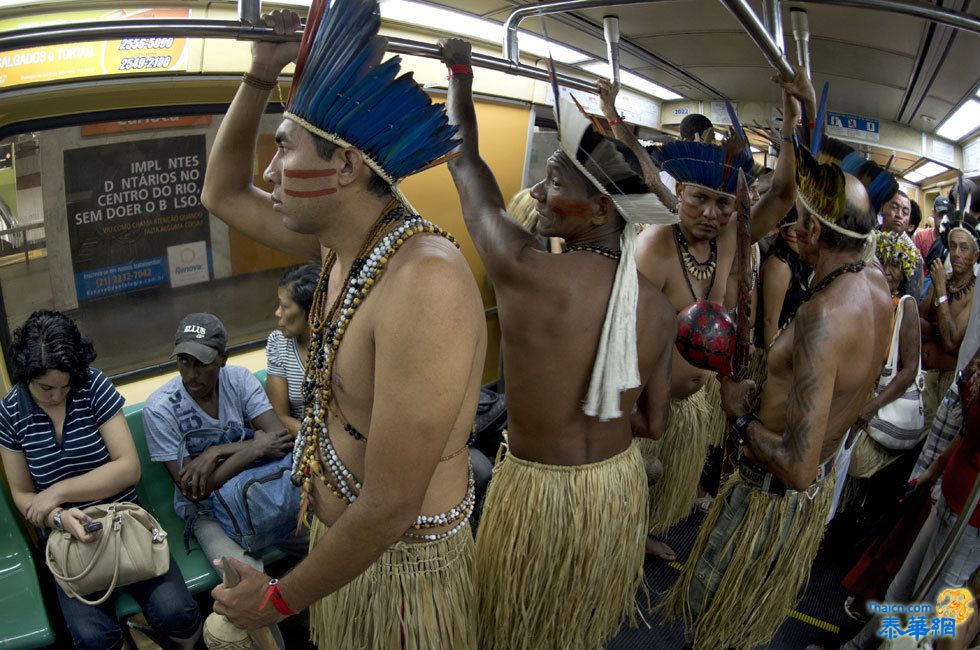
[[690, 265], [314, 454], [605, 251], [956, 294], [849, 267]]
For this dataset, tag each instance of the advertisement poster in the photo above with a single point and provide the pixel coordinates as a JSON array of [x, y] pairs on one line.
[[70, 60], [135, 218]]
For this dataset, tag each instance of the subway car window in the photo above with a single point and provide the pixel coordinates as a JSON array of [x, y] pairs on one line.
[[104, 222]]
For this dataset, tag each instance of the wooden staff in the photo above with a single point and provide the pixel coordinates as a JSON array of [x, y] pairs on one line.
[[743, 335]]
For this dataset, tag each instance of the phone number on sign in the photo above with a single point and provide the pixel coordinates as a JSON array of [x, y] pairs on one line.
[[157, 43], [122, 278], [144, 62]]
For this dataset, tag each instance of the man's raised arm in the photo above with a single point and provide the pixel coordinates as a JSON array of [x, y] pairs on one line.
[[651, 173], [228, 191], [776, 203], [497, 236]]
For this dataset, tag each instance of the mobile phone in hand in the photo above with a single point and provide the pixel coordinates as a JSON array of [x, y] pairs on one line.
[[92, 526]]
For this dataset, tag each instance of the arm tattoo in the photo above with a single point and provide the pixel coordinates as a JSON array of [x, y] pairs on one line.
[[811, 332]]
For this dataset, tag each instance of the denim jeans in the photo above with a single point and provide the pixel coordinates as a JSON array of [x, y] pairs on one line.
[[165, 601], [962, 562]]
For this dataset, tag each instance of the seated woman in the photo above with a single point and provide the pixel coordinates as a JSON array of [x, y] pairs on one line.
[[285, 351], [65, 446]]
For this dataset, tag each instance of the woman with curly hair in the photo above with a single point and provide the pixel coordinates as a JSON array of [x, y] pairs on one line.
[[65, 446]]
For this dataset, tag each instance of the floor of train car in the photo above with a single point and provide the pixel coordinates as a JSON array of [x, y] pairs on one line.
[[818, 619]]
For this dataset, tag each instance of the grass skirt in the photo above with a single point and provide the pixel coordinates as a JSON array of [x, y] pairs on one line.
[[560, 553], [741, 581], [682, 450], [716, 422], [414, 597]]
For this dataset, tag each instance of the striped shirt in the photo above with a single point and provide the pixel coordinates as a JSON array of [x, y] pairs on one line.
[[26, 428], [282, 360]]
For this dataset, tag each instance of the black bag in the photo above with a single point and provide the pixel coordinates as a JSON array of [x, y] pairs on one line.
[[490, 422]]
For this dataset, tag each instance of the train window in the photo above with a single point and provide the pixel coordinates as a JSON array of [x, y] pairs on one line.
[[104, 221]]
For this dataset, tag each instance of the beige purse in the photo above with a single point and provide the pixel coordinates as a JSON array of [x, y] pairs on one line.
[[132, 547]]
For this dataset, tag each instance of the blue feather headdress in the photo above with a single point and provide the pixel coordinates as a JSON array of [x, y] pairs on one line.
[[343, 93], [710, 166]]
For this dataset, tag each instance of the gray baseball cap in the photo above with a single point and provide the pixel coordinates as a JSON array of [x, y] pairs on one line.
[[941, 204], [202, 336]]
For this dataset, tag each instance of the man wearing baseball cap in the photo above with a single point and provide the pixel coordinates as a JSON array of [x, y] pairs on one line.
[[925, 238], [208, 394]]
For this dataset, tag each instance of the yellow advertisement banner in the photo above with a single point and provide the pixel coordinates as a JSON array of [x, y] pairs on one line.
[[96, 58]]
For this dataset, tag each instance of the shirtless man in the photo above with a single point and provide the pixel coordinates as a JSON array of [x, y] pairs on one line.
[[398, 396], [567, 503], [945, 311], [706, 248], [754, 550]]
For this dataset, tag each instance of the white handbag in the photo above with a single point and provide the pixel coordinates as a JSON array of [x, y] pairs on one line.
[[900, 424]]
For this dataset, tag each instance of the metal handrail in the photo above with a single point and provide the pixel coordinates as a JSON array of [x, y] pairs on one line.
[[757, 32], [202, 28], [511, 51]]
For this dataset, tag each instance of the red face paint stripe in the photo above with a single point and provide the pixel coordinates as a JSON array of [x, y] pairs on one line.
[[308, 173], [568, 208], [311, 194]]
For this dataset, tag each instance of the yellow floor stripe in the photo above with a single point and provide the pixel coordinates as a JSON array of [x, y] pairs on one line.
[[800, 616]]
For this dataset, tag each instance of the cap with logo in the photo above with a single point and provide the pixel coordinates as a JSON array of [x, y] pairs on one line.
[[202, 336], [941, 204]]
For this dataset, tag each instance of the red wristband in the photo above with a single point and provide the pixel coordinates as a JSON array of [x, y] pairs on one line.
[[618, 120], [458, 68], [273, 593]]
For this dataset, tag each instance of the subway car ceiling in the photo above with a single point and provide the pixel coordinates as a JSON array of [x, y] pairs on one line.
[[907, 87]]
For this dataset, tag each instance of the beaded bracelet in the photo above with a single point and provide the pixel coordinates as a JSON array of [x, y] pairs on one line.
[[259, 84], [458, 68], [618, 120]]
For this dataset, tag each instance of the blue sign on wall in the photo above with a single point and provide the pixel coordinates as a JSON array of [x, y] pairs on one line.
[[853, 126]]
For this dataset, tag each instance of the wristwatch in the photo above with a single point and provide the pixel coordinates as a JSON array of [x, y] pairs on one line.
[[940, 300], [57, 519], [741, 425]]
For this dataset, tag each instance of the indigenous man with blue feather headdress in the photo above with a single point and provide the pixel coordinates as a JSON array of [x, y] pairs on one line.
[[753, 554], [692, 261], [560, 546], [397, 340]]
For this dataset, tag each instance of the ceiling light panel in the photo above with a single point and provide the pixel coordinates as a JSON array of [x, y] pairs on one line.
[[460, 23], [962, 122]]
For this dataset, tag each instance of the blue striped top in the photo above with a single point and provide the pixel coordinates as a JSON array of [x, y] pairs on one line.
[[26, 428]]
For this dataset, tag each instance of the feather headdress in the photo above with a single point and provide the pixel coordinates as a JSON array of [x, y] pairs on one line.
[[894, 249], [708, 165], [343, 93], [821, 186], [605, 166], [881, 185]]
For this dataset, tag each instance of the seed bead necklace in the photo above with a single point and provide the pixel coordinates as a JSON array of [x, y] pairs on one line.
[[690, 266], [959, 292], [314, 455], [605, 251]]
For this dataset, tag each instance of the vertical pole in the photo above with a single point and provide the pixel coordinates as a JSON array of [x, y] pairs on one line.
[[772, 17], [250, 11], [801, 32], [610, 27]]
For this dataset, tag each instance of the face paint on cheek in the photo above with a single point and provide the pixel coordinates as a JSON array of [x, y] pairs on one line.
[[308, 174], [568, 208]]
